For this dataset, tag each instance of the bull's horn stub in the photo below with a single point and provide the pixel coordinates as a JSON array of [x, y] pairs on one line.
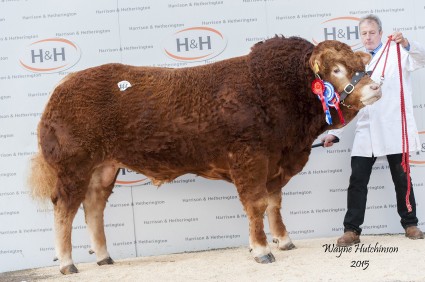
[[123, 85]]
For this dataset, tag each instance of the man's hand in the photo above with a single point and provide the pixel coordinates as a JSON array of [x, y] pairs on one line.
[[328, 140], [399, 38]]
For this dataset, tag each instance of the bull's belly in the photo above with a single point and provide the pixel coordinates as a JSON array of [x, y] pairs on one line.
[[164, 174], [167, 167]]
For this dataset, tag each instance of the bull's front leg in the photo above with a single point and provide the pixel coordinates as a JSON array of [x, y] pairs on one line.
[[249, 176], [259, 247], [277, 228]]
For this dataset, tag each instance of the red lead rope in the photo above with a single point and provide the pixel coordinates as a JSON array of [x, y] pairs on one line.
[[386, 47], [404, 135]]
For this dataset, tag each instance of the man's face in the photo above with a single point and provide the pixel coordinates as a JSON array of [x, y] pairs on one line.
[[370, 34]]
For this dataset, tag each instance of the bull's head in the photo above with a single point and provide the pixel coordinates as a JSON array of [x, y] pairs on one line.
[[336, 63]]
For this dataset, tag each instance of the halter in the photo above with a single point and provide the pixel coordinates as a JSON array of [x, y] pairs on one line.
[[349, 88]]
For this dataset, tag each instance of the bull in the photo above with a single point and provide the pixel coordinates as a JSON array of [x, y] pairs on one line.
[[249, 120]]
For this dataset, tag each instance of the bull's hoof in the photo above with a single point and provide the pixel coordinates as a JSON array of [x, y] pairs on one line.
[[69, 269], [55, 259], [106, 261], [288, 246], [269, 258]]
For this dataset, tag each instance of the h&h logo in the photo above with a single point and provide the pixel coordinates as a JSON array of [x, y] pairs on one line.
[[50, 55], [195, 44], [344, 29]]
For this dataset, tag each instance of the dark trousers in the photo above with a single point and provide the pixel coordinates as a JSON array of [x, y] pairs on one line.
[[361, 168]]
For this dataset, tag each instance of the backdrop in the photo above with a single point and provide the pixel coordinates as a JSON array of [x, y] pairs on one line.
[[42, 41]]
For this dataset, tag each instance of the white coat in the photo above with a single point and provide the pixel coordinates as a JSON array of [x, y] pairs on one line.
[[379, 129]]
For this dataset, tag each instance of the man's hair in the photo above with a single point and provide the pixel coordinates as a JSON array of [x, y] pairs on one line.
[[372, 18]]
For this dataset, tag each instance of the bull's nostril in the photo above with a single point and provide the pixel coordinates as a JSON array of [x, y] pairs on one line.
[[374, 86]]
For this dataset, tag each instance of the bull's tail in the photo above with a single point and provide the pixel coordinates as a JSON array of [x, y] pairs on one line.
[[42, 179]]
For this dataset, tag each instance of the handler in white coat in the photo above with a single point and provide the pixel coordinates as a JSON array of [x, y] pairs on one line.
[[379, 130]]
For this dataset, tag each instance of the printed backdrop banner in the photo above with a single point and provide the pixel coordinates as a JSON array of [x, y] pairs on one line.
[[41, 43]]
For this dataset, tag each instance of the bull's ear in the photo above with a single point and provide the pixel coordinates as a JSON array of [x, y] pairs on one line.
[[365, 57]]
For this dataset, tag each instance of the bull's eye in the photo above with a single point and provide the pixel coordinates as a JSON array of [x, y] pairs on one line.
[[336, 71]]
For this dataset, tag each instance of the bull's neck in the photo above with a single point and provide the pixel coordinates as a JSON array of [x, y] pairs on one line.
[[295, 104], [288, 98]]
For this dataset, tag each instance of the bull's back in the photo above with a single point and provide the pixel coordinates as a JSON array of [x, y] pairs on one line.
[[171, 117], [174, 117], [188, 118]]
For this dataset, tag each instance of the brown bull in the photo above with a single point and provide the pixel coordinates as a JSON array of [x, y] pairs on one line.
[[249, 120]]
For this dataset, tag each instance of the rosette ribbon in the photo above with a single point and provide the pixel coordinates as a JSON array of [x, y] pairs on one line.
[[332, 99], [328, 97], [318, 88]]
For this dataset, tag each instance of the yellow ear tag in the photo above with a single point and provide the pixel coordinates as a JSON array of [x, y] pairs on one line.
[[316, 67]]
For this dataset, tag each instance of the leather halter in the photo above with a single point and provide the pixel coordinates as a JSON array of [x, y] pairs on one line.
[[349, 88]]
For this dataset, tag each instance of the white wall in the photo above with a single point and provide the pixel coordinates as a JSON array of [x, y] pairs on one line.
[[191, 213]]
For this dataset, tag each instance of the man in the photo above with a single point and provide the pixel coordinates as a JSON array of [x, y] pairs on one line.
[[379, 130]]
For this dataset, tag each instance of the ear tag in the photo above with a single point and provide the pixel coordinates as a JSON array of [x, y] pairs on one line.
[[316, 67], [123, 85]]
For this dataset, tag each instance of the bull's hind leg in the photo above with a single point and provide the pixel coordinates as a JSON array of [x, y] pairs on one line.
[[249, 175], [277, 228], [65, 207], [98, 192]]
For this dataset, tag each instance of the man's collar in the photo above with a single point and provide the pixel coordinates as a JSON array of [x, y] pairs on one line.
[[374, 51]]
